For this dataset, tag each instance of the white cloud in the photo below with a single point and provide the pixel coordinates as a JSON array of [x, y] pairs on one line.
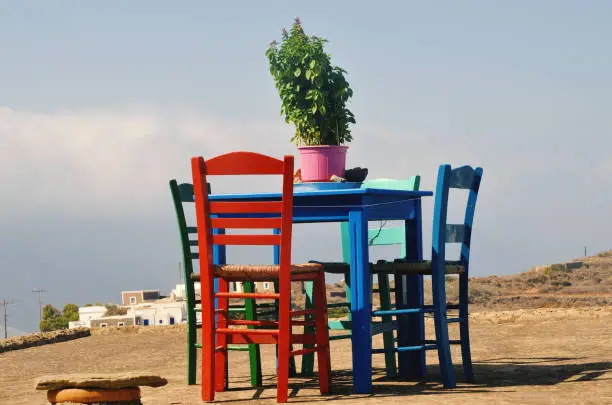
[[117, 162], [120, 159], [109, 159]]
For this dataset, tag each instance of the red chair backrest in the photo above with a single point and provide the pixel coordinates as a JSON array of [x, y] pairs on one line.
[[243, 215]]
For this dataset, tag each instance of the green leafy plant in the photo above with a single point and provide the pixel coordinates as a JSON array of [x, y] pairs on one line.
[[54, 319], [314, 93]]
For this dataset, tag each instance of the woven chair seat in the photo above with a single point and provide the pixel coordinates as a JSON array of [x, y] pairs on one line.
[[415, 267], [404, 267], [257, 272]]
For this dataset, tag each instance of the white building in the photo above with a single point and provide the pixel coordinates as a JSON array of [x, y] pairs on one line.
[[260, 286], [144, 307], [159, 313], [179, 293], [86, 315]]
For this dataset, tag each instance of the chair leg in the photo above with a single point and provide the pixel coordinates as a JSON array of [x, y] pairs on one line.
[[208, 342], [191, 344], [308, 359], [466, 355], [441, 326], [444, 354], [221, 355], [322, 335], [283, 348], [347, 290], [385, 304], [464, 329], [292, 368], [254, 352]]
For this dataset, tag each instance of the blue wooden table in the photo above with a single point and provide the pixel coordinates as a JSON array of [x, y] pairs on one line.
[[358, 206]]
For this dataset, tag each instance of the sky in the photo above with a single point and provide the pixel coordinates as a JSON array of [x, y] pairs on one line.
[[102, 102]]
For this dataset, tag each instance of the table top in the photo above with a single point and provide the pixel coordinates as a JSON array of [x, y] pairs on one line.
[[336, 205], [324, 193]]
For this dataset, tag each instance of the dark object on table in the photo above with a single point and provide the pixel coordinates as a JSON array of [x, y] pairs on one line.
[[356, 174]]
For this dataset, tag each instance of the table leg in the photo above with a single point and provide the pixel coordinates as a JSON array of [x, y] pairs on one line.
[[292, 370], [219, 257], [409, 294], [361, 303]]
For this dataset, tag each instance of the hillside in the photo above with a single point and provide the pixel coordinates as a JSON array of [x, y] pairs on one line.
[[581, 282]]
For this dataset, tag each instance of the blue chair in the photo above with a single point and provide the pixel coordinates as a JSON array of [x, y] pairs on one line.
[[439, 267]]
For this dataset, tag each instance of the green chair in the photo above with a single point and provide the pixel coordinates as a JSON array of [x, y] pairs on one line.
[[183, 193], [377, 237]]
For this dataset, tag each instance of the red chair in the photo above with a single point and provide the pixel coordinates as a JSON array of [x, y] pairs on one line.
[[253, 215]]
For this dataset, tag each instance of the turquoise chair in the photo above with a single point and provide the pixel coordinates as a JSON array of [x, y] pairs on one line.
[[377, 237]]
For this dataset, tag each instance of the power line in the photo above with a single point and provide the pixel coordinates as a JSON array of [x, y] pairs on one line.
[[39, 291], [4, 304]]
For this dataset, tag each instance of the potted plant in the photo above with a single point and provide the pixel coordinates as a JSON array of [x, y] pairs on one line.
[[314, 96]]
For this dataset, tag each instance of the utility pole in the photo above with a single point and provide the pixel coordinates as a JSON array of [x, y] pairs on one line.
[[584, 250], [4, 304], [39, 291]]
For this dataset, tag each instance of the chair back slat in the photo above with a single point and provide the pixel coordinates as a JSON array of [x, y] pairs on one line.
[[251, 240], [461, 177], [467, 178], [455, 233], [412, 184], [251, 207], [243, 163], [246, 223], [185, 191], [386, 236]]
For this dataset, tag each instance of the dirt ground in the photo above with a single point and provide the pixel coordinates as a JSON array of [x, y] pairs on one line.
[[530, 356]]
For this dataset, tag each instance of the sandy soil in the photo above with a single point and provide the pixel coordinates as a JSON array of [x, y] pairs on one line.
[[542, 356]]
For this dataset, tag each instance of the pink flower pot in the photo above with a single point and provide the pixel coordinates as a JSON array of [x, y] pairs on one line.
[[319, 163]]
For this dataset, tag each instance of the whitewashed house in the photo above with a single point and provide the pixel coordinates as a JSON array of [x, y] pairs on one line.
[[159, 313], [179, 293], [86, 315], [260, 286]]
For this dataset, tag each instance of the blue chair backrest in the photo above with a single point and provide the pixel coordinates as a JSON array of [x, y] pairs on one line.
[[464, 177]]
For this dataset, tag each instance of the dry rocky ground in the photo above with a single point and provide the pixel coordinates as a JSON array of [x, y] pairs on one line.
[[539, 337], [530, 356]]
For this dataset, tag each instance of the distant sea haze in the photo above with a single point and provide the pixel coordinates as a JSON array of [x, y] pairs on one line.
[[11, 332]]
